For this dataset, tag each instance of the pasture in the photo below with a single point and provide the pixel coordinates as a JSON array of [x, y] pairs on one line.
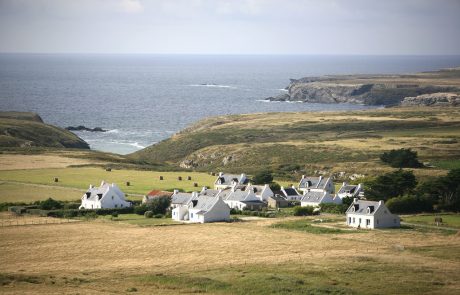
[[248, 257]]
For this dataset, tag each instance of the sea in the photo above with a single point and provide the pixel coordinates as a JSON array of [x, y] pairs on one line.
[[143, 99]]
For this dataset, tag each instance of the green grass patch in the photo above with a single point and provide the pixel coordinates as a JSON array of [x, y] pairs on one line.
[[447, 252], [17, 192], [448, 220], [447, 164], [305, 225]]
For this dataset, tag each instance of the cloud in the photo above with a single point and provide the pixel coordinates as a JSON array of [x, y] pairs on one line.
[[131, 6]]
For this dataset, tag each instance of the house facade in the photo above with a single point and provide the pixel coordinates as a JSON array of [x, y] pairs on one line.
[[105, 196], [369, 214], [277, 201], [202, 209], [350, 191], [263, 192], [241, 200], [314, 199], [225, 181], [316, 184]]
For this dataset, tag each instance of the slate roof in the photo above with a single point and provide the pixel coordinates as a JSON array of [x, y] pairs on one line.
[[278, 198], [237, 195], [348, 189], [290, 191], [209, 192], [204, 204], [313, 197], [181, 198], [313, 182], [226, 179], [361, 207]]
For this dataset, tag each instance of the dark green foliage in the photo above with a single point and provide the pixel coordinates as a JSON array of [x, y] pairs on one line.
[[158, 216], [305, 226], [303, 211], [50, 204], [62, 213], [274, 186], [263, 177], [114, 214], [347, 201], [334, 208], [402, 158], [443, 191], [409, 204], [390, 185], [148, 214], [141, 209], [158, 205], [4, 206]]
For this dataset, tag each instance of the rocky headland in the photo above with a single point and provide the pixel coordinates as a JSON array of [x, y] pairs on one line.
[[388, 90]]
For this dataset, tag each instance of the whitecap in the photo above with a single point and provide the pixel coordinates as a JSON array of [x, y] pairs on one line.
[[212, 85]]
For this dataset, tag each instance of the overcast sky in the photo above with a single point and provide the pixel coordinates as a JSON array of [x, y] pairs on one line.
[[231, 26]]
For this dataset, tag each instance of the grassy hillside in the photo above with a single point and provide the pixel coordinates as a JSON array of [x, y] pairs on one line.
[[28, 130], [332, 142]]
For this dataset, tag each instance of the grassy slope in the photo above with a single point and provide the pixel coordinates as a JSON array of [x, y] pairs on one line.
[[27, 129], [331, 141]]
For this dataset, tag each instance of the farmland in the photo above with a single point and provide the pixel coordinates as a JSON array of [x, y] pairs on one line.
[[118, 257]]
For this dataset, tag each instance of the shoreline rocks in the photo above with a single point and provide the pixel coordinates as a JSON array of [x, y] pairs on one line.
[[83, 128], [433, 99]]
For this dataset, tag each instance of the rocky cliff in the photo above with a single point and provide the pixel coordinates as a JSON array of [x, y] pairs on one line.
[[433, 99], [370, 89]]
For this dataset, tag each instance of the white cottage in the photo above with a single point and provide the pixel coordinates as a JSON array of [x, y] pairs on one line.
[[238, 199], [369, 214], [105, 196], [179, 198], [316, 184], [202, 209], [225, 181], [290, 194], [350, 191], [317, 198], [262, 192]]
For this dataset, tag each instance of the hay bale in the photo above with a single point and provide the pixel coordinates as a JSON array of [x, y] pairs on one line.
[[56, 179], [128, 183], [179, 178], [195, 184], [189, 178], [161, 177]]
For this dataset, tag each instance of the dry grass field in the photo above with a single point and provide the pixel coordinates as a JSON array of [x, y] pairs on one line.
[[43, 161], [248, 257]]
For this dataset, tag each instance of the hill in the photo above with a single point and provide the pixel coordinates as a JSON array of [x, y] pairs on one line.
[[307, 142], [440, 87], [23, 129]]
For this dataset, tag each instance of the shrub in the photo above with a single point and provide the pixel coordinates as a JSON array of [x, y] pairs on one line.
[[148, 214], [159, 205], [158, 215], [274, 186], [50, 204], [402, 158], [303, 211], [390, 185], [334, 208], [409, 204], [114, 214], [263, 177], [141, 209]]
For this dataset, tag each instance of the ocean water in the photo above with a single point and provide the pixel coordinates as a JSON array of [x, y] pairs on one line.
[[143, 99]]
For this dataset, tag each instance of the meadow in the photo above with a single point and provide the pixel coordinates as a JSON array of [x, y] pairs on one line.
[[247, 257]]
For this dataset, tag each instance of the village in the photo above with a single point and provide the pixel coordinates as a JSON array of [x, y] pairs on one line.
[[234, 193]]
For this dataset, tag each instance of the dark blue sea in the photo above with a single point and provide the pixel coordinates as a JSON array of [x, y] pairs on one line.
[[142, 99]]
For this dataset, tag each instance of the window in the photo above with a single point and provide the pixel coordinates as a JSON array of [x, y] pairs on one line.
[[349, 220], [360, 221], [377, 221], [353, 220], [191, 215], [121, 205], [368, 222], [394, 220], [116, 205], [112, 197]]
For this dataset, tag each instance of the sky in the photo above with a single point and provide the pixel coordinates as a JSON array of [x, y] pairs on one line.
[[344, 27]]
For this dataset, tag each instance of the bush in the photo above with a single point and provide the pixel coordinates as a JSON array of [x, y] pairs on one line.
[[303, 211], [159, 205], [148, 214], [114, 214], [274, 186], [158, 215], [390, 185], [334, 208], [402, 158], [141, 209], [50, 204], [409, 204], [263, 177]]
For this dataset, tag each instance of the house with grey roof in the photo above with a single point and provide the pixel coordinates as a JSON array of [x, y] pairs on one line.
[[202, 209], [179, 198], [290, 193], [105, 196], [277, 201], [351, 191], [241, 200], [316, 184], [209, 192], [370, 214], [224, 180], [314, 199], [263, 192]]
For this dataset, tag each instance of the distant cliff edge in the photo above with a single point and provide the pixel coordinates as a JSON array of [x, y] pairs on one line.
[[385, 90]]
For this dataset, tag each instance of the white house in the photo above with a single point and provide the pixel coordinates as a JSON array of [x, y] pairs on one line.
[[316, 184], [263, 192], [202, 209], [179, 198], [316, 198], [238, 199], [369, 214], [350, 191], [290, 194], [105, 196], [225, 181]]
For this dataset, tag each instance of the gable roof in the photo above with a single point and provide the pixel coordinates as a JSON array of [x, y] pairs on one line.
[[360, 207], [181, 198], [277, 198], [97, 193], [209, 192], [227, 179], [313, 197], [238, 195], [313, 182], [203, 203], [348, 189], [289, 191]]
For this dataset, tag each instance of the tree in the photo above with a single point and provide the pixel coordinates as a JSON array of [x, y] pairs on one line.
[[390, 185], [50, 204], [402, 158], [159, 205], [263, 177], [443, 191], [409, 204], [274, 186]]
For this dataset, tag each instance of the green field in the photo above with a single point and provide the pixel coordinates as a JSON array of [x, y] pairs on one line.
[[449, 220], [17, 192], [141, 182]]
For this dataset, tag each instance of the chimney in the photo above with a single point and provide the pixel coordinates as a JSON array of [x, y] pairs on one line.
[[176, 191], [204, 189], [102, 183], [381, 202], [242, 177], [303, 176], [91, 186], [344, 184], [319, 181], [355, 200], [221, 174]]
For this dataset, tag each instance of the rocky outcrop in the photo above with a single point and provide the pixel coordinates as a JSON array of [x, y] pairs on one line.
[[433, 99], [83, 128]]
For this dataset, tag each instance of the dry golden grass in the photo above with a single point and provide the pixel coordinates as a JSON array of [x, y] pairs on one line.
[[110, 256], [43, 161]]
